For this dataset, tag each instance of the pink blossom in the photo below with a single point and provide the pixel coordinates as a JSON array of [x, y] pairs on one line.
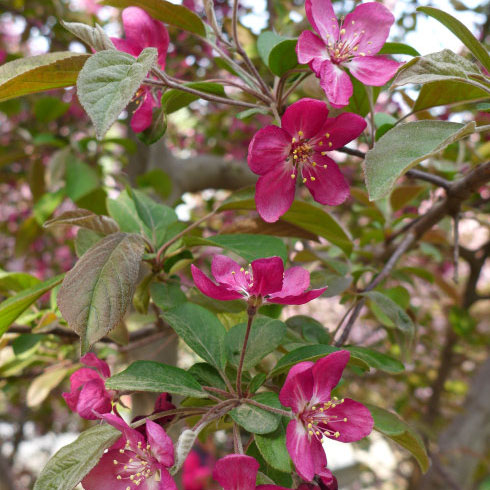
[[318, 415], [301, 146], [88, 396], [351, 45], [239, 472], [265, 281], [142, 32], [134, 461], [195, 475]]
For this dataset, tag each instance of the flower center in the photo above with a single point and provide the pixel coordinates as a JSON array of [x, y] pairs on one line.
[[301, 155], [344, 49], [317, 417], [138, 467]]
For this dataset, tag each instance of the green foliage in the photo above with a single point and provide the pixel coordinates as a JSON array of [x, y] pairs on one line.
[[155, 377], [398, 48], [108, 82], [173, 99], [83, 218], [277, 52], [272, 447], [257, 420]]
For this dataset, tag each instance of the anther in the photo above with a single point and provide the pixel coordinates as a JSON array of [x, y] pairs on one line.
[[342, 32], [304, 180], [301, 134], [121, 451], [293, 176], [115, 461], [353, 22], [337, 435], [118, 477], [327, 135], [345, 420], [241, 269], [310, 432], [325, 166], [330, 144], [320, 143], [312, 179], [324, 153], [293, 140], [233, 272], [314, 164], [362, 54]]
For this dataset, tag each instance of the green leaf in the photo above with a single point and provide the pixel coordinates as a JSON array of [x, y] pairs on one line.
[[207, 375], [16, 281], [83, 218], [39, 73], [158, 180], [404, 194], [398, 48], [155, 377], [311, 330], [123, 211], [71, 463], [359, 102], [460, 31], [399, 431], [273, 449], [392, 156], [377, 360], [265, 42], [173, 99], [96, 292], [175, 15], [41, 386], [257, 420], [392, 310], [25, 342], [85, 240], [81, 179], [156, 130], [256, 382], [306, 353], [167, 295], [336, 284], [157, 217], [13, 307], [200, 330], [265, 335], [250, 247], [108, 82], [277, 52], [95, 37], [46, 205], [47, 109]]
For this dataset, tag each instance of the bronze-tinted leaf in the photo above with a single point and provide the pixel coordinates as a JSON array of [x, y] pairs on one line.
[[85, 219]]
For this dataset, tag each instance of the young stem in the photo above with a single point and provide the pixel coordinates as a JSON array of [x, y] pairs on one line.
[[369, 92], [174, 411], [251, 313], [237, 440], [279, 411]]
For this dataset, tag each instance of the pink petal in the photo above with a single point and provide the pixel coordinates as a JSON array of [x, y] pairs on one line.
[[142, 31], [359, 422], [267, 276], [373, 70], [131, 435], [92, 360], [329, 186], [270, 487], [341, 130], [322, 17], [310, 47], [126, 46], [103, 475], [161, 445], [336, 84], [328, 479], [326, 375], [375, 20], [268, 149], [207, 287], [299, 299], [306, 115], [307, 453], [227, 271], [93, 398], [166, 482], [236, 472], [143, 115], [274, 194], [82, 376], [296, 280], [298, 387]]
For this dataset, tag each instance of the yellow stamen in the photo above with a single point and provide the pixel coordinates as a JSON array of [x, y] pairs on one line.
[[312, 179], [293, 176]]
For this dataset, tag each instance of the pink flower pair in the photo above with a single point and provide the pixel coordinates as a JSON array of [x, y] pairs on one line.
[[142, 32], [300, 149], [352, 45], [266, 281]]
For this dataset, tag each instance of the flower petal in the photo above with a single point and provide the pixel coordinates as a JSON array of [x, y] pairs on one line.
[[143, 115], [336, 84], [268, 149], [328, 185], [93, 398], [369, 24], [359, 422], [227, 271], [298, 387], [236, 472], [341, 130], [274, 194], [209, 288], [126, 46], [267, 276], [307, 453], [306, 115], [326, 375], [166, 482], [299, 299], [131, 435], [91, 360], [296, 280], [328, 479], [161, 445], [104, 474], [373, 70], [310, 47], [322, 17]]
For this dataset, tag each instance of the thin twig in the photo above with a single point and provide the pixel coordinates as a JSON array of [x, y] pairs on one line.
[[237, 439], [279, 411], [456, 247], [251, 315]]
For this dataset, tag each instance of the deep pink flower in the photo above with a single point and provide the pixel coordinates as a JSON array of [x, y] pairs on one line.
[[239, 472], [300, 146], [142, 32], [265, 281], [134, 462], [351, 45], [195, 475], [88, 396], [307, 391]]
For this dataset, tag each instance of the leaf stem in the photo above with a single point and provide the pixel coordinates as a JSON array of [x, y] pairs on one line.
[[279, 411], [251, 313]]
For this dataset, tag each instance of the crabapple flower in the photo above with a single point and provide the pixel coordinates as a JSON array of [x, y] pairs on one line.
[[134, 461], [88, 396], [300, 147], [142, 32], [351, 45], [265, 281], [318, 415], [195, 474], [239, 472]]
